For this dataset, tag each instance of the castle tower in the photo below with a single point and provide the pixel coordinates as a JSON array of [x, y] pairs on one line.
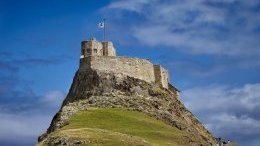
[[161, 75], [92, 47], [108, 49]]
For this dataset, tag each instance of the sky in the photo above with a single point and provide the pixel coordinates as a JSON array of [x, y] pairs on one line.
[[210, 47]]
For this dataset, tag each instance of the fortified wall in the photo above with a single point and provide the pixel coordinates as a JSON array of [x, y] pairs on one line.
[[101, 56]]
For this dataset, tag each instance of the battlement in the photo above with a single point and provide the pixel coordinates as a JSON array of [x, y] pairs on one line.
[[102, 57]]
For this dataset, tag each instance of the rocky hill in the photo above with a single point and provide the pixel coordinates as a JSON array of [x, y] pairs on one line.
[[114, 109], [117, 101]]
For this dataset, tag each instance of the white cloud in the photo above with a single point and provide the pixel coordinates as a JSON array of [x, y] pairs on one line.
[[240, 125], [219, 96], [23, 128], [25, 122], [22, 125], [226, 111], [133, 5], [53, 98], [197, 27]]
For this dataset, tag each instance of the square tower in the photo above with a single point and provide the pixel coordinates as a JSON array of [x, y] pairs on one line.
[[161, 75], [94, 48], [91, 48], [108, 49]]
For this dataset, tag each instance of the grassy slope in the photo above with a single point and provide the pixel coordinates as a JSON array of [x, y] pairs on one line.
[[122, 127]]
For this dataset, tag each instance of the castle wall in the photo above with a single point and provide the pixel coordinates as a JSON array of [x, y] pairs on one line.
[[161, 76], [102, 56], [157, 72], [134, 67], [165, 77], [109, 49]]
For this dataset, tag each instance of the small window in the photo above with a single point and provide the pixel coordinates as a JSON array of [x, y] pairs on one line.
[[95, 50], [88, 51]]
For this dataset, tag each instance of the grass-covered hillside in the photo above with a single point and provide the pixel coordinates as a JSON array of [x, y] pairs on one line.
[[117, 127]]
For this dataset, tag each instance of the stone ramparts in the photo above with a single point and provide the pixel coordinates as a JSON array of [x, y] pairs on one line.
[[133, 67]]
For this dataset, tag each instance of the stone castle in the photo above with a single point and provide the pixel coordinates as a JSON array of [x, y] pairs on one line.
[[105, 80], [102, 56]]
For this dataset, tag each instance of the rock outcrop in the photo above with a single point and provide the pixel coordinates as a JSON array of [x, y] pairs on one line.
[[93, 88]]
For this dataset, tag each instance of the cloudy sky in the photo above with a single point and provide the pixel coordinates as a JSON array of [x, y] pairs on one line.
[[211, 48]]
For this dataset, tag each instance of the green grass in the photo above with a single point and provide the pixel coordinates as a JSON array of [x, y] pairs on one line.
[[114, 126]]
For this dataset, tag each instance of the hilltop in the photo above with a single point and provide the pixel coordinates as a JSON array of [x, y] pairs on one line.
[[122, 101]]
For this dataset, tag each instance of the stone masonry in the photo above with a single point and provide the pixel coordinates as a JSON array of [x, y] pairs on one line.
[[101, 56], [94, 48]]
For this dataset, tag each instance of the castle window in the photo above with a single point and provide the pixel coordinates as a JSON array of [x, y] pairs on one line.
[[88, 51], [95, 50]]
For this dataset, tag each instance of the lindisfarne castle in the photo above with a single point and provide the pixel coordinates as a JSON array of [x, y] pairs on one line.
[[113, 85], [101, 56]]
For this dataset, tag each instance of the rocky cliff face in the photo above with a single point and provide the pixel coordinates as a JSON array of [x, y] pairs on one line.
[[92, 88]]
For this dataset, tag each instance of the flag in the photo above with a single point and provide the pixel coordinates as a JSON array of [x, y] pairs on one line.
[[101, 24]]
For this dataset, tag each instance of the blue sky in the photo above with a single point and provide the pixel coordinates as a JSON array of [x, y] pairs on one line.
[[211, 48]]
